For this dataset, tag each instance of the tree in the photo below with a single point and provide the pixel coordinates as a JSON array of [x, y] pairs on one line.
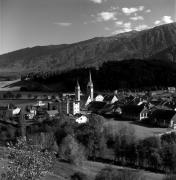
[[125, 144], [170, 177], [168, 154], [27, 161], [71, 151], [91, 136], [18, 95], [149, 152], [29, 96]]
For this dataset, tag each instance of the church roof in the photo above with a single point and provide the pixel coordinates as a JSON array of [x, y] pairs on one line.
[[90, 83], [77, 84]]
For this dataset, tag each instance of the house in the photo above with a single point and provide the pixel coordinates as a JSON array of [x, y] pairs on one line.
[[81, 119], [162, 118], [39, 104], [16, 111], [171, 89], [132, 112], [144, 114], [99, 98], [173, 122], [52, 113], [4, 113]]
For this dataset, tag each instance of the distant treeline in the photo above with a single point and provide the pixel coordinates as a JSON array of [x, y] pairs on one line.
[[130, 74]]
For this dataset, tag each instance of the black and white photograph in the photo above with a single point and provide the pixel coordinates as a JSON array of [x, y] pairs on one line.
[[87, 89]]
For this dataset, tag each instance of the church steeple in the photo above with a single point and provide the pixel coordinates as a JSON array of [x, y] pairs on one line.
[[90, 90], [77, 92]]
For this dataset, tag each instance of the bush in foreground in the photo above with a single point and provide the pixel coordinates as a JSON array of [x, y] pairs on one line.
[[170, 177], [28, 162], [78, 176]]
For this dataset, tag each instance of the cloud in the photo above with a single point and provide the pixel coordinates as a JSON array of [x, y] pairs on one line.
[[164, 20], [114, 8], [119, 23], [122, 27], [167, 19], [106, 16], [141, 27], [98, 1], [157, 22], [148, 11], [137, 18], [127, 27], [63, 24], [131, 10], [141, 8]]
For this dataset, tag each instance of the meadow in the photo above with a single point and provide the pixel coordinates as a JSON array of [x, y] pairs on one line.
[[63, 171], [141, 131]]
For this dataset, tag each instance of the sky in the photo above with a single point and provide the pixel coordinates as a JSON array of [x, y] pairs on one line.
[[28, 23]]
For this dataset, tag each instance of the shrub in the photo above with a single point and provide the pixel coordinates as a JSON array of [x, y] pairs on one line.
[[71, 151], [170, 177], [27, 161], [78, 176]]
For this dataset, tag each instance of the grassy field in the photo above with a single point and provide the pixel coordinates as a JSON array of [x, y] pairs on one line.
[[4, 85], [141, 131], [64, 170]]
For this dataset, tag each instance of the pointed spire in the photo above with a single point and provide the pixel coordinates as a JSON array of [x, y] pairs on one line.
[[90, 77], [78, 86], [90, 83]]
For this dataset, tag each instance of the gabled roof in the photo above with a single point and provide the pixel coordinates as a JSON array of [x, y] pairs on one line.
[[108, 108], [95, 105], [132, 109], [161, 114], [109, 97]]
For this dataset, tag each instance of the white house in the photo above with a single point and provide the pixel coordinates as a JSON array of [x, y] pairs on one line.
[[99, 98], [81, 119]]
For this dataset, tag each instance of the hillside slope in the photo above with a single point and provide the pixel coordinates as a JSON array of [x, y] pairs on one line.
[[158, 42]]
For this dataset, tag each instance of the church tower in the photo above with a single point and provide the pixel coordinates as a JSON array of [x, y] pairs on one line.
[[77, 92], [90, 90]]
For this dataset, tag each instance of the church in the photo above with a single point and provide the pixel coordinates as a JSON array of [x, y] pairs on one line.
[[73, 105]]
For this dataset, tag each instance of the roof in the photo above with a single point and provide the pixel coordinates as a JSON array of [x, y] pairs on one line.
[[95, 105], [161, 114], [109, 97], [108, 108], [3, 108], [52, 112], [174, 118], [132, 109], [90, 83]]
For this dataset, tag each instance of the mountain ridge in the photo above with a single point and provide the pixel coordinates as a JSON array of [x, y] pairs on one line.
[[156, 43]]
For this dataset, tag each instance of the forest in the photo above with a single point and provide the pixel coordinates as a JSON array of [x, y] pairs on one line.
[[127, 74]]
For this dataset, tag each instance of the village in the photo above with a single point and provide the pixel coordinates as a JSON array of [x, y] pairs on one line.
[[156, 109]]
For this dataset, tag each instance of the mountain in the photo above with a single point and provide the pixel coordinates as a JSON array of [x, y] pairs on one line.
[[156, 43]]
